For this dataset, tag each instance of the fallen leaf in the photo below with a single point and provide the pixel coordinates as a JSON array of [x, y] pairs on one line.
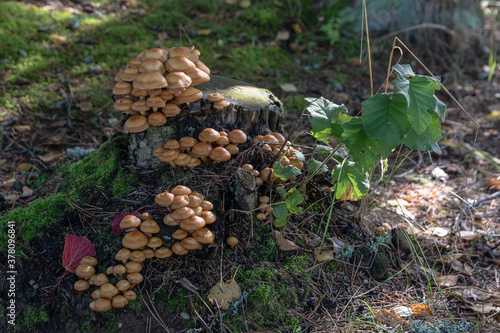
[[297, 28], [439, 174], [451, 257], [325, 256], [446, 280], [288, 87], [225, 293], [75, 249], [27, 192], [23, 166], [437, 231], [3, 162], [484, 308], [284, 244], [204, 32], [402, 310], [388, 318], [338, 245], [468, 235], [22, 128], [50, 156], [421, 309], [462, 268], [58, 40], [477, 294], [85, 106], [10, 199]]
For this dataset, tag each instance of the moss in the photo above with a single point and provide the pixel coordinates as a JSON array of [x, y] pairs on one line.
[[121, 184], [270, 304], [258, 274], [175, 300], [33, 317], [296, 264]]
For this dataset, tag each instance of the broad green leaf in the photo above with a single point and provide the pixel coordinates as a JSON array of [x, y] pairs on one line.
[[299, 155], [313, 165], [427, 140], [421, 98], [404, 71], [326, 118], [351, 181], [324, 150], [281, 213], [385, 121], [440, 108], [284, 172], [293, 200], [360, 146]]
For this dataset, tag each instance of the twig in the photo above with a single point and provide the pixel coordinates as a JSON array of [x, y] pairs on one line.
[[486, 198], [69, 101], [198, 315]]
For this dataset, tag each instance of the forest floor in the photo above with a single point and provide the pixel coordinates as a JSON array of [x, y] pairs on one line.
[[55, 104]]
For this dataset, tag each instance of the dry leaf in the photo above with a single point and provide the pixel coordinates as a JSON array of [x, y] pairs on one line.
[[437, 231], [421, 309], [57, 39], [338, 245], [388, 318], [21, 167], [225, 293], [451, 257], [484, 308], [402, 311], [446, 280], [468, 235], [204, 32], [50, 156], [325, 256], [27, 192], [10, 199], [85, 106], [478, 294], [284, 244], [22, 128]]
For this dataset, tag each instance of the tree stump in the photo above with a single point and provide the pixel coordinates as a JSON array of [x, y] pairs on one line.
[[253, 110]]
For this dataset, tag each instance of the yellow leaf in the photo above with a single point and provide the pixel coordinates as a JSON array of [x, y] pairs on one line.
[[204, 32], [325, 256], [225, 293]]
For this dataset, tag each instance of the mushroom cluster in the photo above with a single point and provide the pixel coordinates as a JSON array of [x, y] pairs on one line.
[[156, 82], [273, 143], [139, 244], [211, 146], [191, 212]]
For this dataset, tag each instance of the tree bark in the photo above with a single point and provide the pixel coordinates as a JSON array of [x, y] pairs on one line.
[[253, 110]]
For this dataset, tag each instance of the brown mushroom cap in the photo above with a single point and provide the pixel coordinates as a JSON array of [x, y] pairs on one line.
[[148, 253], [107, 290], [137, 256], [198, 76], [152, 65], [88, 260], [237, 136], [85, 271], [81, 285], [170, 110], [123, 285], [215, 97], [154, 242], [221, 105], [100, 305], [232, 241], [119, 270], [204, 236], [141, 106], [157, 119], [96, 294], [201, 149], [208, 216], [169, 155], [179, 234], [130, 221], [220, 154], [145, 216], [178, 249], [133, 267], [181, 190], [100, 279], [119, 301], [134, 240], [163, 252], [182, 160], [269, 138], [135, 278], [192, 223], [137, 123], [170, 221], [201, 66], [122, 88], [129, 73], [150, 226], [130, 295], [206, 205], [179, 63], [279, 137], [182, 213], [178, 80], [164, 199], [184, 51], [160, 54], [223, 140], [124, 105], [187, 142], [232, 149], [179, 202], [208, 135], [194, 201], [190, 94], [150, 80], [190, 243], [172, 144]]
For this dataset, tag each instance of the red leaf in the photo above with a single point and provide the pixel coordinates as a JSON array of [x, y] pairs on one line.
[[115, 225], [75, 248]]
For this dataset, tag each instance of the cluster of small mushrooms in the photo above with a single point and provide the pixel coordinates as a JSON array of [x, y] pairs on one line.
[[191, 212], [211, 146], [138, 244], [156, 82]]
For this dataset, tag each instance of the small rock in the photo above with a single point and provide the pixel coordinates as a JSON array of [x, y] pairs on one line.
[[184, 315]]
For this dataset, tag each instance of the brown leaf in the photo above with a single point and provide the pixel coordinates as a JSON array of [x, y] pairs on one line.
[[75, 248], [10, 199], [50, 156], [388, 318], [420, 309], [21, 167], [484, 308], [22, 128], [477, 294], [325, 256], [284, 244], [446, 280], [27, 192], [85, 106]]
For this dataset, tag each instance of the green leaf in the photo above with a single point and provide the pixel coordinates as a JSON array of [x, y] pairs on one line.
[[385, 121], [313, 165], [427, 140], [404, 71], [440, 108], [326, 118], [324, 151], [284, 172], [299, 155], [293, 200], [281, 213], [360, 146], [421, 98], [352, 182]]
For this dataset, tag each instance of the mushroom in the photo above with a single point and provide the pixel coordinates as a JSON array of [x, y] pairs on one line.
[[122, 88], [208, 216], [203, 236], [149, 227], [119, 301], [179, 234], [170, 221], [220, 154], [85, 271], [232, 241], [181, 190], [107, 290], [192, 223], [157, 119], [163, 252], [135, 278], [133, 267], [81, 285], [88, 260], [178, 249], [190, 243], [215, 97], [237, 136], [182, 213], [150, 80], [208, 135], [100, 305], [154, 243], [123, 285], [221, 105], [100, 279], [130, 222], [206, 205], [179, 202], [134, 240], [164, 199], [170, 110], [137, 123], [148, 253], [119, 270], [130, 295], [137, 256]]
